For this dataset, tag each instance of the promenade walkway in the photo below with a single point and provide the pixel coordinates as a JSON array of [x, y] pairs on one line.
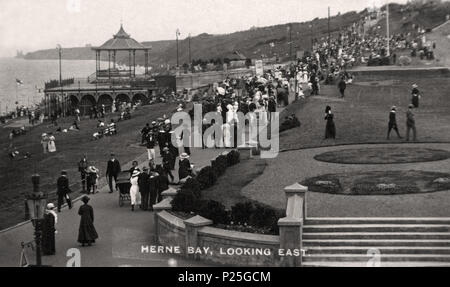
[[121, 232]]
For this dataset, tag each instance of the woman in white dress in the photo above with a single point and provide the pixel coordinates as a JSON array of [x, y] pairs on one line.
[[51, 144], [134, 190]]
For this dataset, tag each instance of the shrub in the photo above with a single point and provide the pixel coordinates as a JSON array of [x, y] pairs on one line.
[[263, 216], [184, 201], [233, 157], [241, 212], [219, 165], [290, 122], [194, 186], [206, 177], [214, 211]]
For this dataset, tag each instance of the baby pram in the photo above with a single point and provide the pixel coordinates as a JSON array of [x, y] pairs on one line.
[[123, 184]]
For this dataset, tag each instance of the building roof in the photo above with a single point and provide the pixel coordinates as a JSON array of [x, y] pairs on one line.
[[122, 41]]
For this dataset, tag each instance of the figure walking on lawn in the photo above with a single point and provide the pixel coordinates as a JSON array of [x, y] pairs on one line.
[[330, 131], [410, 124], [342, 87], [415, 96], [393, 123], [86, 232]]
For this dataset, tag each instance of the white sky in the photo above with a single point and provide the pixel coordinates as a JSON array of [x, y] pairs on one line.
[[41, 24]]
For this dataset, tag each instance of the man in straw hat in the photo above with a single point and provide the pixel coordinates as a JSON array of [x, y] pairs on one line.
[[185, 168], [393, 122]]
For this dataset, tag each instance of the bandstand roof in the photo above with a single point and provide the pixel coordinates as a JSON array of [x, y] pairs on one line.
[[122, 41]]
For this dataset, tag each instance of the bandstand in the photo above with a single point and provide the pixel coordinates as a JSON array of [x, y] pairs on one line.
[[107, 86]]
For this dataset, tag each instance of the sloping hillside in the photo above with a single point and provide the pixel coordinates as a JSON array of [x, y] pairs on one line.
[[266, 41]]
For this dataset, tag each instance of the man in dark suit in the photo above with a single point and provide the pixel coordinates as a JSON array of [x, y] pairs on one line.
[[112, 171], [63, 190], [342, 87], [393, 123], [144, 188]]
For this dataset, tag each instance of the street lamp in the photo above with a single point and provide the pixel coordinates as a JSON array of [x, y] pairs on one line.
[[36, 203], [59, 48], [178, 34]]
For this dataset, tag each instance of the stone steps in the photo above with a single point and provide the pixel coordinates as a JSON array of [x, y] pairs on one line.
[[377, 228], [377, 235], [388, 257], [370, 243], [408, 242], [384, 250], [382, 264], [375, 220]]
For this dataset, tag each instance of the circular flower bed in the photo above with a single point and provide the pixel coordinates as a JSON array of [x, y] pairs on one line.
[[379, 183], [383, 155]]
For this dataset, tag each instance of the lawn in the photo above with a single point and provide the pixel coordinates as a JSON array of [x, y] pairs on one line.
[[363, 116], [227, 189], [15, 175]]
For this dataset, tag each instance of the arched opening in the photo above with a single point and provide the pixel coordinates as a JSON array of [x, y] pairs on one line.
[[107, 101], [122, 98], [73, 102], [140, 98], [87, 102]]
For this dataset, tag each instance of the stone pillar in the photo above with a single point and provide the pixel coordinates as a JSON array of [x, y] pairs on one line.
[[162, 206], [192, 226], [291, 227], [290, 239], [299, 190]]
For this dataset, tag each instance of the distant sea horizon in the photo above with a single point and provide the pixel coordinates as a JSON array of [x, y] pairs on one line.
[[33, 74]]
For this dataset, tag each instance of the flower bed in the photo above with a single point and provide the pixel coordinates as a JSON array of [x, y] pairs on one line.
[[379, 183]]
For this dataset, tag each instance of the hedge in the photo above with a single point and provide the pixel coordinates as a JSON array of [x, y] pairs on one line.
[[206, 177]]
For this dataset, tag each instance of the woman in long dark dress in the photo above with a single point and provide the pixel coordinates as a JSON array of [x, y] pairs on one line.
[[330, 131], [48, 230], [86, 233], [415, 96]]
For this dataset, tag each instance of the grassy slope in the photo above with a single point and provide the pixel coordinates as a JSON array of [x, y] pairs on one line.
[[255, 42], [363, 116], [15, 175]]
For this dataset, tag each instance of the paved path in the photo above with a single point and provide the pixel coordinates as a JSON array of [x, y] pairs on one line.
[[295, 166], [121, 232]]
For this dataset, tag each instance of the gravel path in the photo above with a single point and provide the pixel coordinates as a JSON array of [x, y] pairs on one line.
[[294, 166]]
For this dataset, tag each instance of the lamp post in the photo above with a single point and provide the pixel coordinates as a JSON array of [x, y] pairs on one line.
[[178, 61], [36, 203], [60, 74], [388, 52], [312, 39], [190, 59]]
